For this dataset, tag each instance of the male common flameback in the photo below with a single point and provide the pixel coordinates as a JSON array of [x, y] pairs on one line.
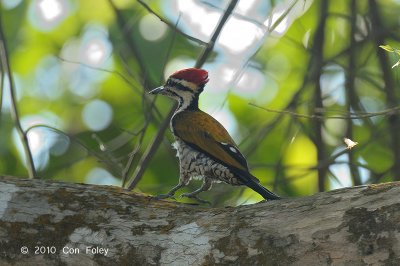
[[204, 147]]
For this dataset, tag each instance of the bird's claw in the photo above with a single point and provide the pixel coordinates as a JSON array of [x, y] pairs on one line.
[[165, 196], [188, 195]]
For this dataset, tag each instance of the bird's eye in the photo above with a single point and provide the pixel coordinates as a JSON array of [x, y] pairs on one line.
[[169, 82]]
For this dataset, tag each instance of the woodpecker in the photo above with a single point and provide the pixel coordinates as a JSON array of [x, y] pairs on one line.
[[204, 147]]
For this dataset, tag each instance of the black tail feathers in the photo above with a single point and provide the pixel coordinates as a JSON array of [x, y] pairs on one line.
[[253, 183], [257, 187]]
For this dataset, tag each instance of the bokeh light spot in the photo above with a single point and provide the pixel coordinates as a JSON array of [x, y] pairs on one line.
[[60, 146], [245, 6], [332, 85], [151, 28], [97, 115], [250, 83], [201, 19], [40, 139], [95, 48], [6, 105], [50, 9], [238, 35], [100, 176], [10, 4], [95, 52], [47, 14], [341, 172], [35, 140], [177, 64]]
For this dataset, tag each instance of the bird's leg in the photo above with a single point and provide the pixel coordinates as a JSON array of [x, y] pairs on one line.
[[184, 180], [171, 193], [204, 187]]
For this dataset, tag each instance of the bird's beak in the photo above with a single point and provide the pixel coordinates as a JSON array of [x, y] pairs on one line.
[[157, 90]]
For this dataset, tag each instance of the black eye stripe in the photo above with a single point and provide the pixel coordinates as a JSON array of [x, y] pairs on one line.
[[178, 86], [176, 95]]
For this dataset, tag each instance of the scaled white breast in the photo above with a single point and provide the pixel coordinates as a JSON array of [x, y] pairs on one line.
[[195, 164], [183, 151]]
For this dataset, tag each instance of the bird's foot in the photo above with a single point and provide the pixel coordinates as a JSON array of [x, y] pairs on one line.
[[165, 196], [193, 196]]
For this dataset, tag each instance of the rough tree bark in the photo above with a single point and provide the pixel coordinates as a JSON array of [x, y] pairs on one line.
[[109, 226]]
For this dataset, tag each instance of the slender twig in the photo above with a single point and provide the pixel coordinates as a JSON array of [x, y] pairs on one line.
[[148, 154], [318, 61], [111, 165], [266, 129], [152, 148], [131, 156], [133, 47], [172, 26], [378, 30], [14, 110], [266, 30], [127, 33], [1, 88], [351, 99], [281, 17], [135, 88], [128, 167], [203, 57], [236, 15], [125, 170], [348, 116]]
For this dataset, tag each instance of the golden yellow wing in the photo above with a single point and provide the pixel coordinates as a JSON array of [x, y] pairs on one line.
[[205, 134]]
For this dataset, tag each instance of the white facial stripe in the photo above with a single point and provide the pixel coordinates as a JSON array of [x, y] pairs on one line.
[[185, 83], [187, 98]]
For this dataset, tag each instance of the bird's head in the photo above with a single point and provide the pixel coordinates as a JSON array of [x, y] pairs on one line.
[[184, 86]]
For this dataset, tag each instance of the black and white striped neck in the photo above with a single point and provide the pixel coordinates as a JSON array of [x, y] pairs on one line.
[[187, 96], [187, 103]]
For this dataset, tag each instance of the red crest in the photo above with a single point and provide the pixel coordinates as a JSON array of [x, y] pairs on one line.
[[194, 75]]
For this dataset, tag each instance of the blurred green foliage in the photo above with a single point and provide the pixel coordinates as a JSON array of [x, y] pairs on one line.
[[82, 72]]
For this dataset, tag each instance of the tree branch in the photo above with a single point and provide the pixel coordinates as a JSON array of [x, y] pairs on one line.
[[318, 62], [172, 26], [5, 65], [203, 57], [350, 226], [127, 33], [351, 95], [347, 116], [390, 87]]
